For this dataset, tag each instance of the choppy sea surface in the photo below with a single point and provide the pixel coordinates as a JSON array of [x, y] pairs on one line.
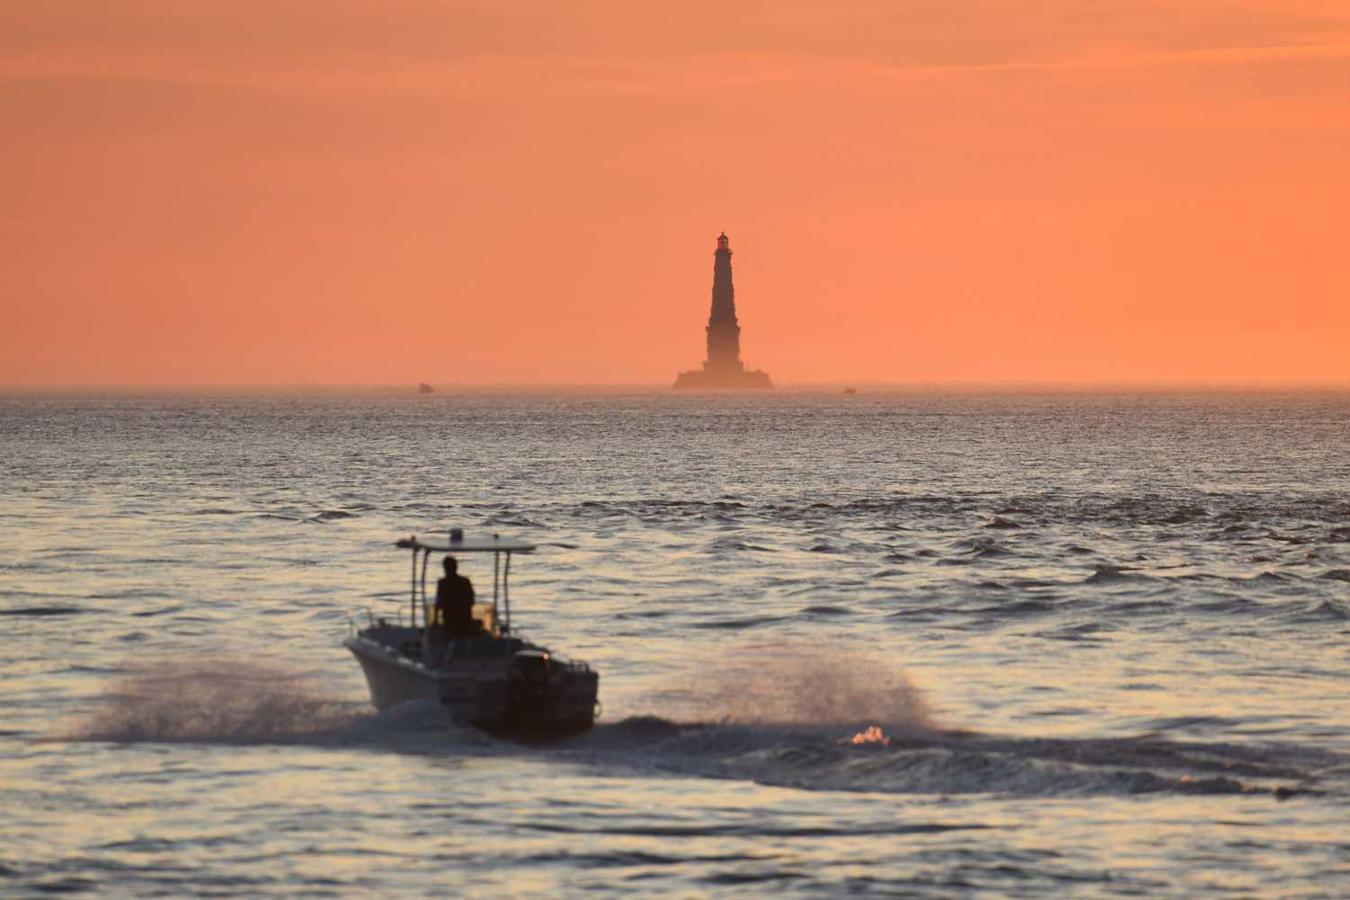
[[1092, 644]]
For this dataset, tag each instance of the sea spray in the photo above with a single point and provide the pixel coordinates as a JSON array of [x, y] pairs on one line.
[[214, 699], [793, 684]]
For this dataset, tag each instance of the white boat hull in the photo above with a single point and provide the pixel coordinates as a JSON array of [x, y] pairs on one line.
[[486, 691]]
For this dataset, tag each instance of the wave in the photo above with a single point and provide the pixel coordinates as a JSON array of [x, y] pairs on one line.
[[741, 623], [727, 544], [1221, 517], [825, 610], [38, 611], [1018, 608], [1110, 574], [512, 520], [322, 517], [1326, 611], [330, 515]]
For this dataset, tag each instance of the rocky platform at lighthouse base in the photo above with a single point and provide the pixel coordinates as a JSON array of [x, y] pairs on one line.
[[710, 379]]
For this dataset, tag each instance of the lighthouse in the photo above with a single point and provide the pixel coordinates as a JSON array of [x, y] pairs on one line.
[[723, 367]]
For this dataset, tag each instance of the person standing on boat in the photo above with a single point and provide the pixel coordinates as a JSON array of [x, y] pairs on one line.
[[454, 603]]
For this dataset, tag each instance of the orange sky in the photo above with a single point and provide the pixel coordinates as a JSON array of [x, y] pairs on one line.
[[498, 191]]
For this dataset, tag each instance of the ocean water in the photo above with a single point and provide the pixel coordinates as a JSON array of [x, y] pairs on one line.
[[903, 643]]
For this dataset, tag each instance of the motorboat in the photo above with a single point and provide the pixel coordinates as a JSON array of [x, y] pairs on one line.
[[492, 678]]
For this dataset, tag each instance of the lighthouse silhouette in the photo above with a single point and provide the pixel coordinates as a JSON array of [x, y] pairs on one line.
[[723, 368]]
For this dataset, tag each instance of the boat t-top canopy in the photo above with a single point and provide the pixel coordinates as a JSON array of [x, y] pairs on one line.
[[455, 542]]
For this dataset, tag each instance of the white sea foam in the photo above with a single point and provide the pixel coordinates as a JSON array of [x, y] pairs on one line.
[[217, 699], [792, 683]]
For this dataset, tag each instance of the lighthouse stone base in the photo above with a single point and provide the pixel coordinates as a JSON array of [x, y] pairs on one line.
[[734, 379]]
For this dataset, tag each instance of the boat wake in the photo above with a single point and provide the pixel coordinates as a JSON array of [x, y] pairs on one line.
[[959, 763], [782, 734]]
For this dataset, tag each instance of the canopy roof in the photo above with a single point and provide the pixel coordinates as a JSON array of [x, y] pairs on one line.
[[447, 544]]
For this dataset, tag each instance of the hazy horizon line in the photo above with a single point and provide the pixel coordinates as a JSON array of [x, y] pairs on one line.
[[948, 386]]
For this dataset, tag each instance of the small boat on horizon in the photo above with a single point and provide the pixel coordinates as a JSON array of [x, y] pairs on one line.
[[425, 388], [485, 676]]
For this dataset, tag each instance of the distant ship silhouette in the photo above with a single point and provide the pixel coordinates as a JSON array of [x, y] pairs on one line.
[[723, 367]]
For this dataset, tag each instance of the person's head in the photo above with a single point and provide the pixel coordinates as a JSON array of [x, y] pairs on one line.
[[451, 565]]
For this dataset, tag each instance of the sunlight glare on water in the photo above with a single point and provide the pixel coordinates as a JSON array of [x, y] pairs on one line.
[[888, 642]]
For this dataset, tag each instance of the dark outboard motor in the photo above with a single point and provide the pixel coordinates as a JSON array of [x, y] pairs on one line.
[[529, 677]]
